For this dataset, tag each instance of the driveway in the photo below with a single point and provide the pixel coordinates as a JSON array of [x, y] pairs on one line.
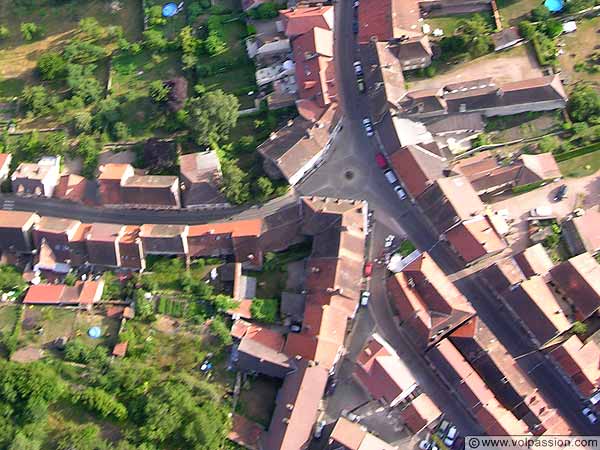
[[582, 192], [514, 65]]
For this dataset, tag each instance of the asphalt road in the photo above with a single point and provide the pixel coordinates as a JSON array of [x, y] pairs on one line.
[[351, 172]]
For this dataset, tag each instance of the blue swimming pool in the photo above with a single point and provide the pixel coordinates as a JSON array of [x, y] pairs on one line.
[[169, 10], [554, 5]]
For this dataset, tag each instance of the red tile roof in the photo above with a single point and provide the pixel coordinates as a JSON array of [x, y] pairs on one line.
[[475, 238], [120, 350], [388, 19], [381, 372], [353, 436], [301, 20], [4, 158], [420, 413], [44, 293], [114, 171], [245, 432], [83, 293], [580, 362], [237, 228]]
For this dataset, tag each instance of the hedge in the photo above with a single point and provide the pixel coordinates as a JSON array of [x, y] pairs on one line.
[[577, 152], [529, 187]]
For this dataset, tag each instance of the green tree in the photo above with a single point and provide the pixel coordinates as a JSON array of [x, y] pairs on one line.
[[36, 99], [99, 401], [235, 183], [11, 280], [83, 52], [81, 437], [155, 40], [220, 330], [88, 149], [4, 33], [579, 328], [91, 27], [159, 92], [120, 131], [82, 122], [212, 116], [584, 104], [144, 307], [214, 44], [540, 13], [106, 114], [548, 144], [265, 310], [265, 188], [30, 31]]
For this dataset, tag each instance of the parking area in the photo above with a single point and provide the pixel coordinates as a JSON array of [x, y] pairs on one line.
[[581, 193]]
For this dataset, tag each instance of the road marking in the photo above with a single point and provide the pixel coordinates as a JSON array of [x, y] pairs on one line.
[[8, 204]]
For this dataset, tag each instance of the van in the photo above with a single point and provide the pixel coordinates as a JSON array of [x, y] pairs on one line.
[[389, 175]]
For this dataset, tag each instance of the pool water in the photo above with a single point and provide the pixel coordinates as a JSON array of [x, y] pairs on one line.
[[169, 10], [554, 5]]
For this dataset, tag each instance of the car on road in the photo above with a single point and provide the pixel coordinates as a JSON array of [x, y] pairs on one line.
[[401, 192], [364, 298], [424, 445], [331, 385], [381, 161], [368, 126], [355, 26], [368, 269], [356, 4], [358, 69], [561, 193], [389, 240], [320, 425], [441, 431], [295, 327], [389, 175], [451, 436], [589, 414]]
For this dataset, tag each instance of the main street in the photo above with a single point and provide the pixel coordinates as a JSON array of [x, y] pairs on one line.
[[351, 172]]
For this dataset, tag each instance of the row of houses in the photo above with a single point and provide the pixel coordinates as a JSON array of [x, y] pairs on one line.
[[58, 244], [467, 355], [119, 184]]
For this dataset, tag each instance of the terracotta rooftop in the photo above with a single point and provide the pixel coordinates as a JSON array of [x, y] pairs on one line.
[[300, 20], [16, 219], [534, 260], [237, 228], [580, 363], [475, 238], [419, 413], [245, 432], [353, 436], [113, 171]]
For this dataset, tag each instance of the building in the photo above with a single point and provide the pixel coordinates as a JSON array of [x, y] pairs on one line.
[[75, 188], [5, 160], [297, 21], [507, 38], [296, 408], [382, 374], [63, 239], [420, 413], [118, 184], [37, 179], [582, 234], [84, 293], [16, 231], [131, 252], [348, 435], [534, 260], [472, 391], [487, 97], [577, 281], [102, 243], [315, 72], [201, 178], [164, 239], [502, 375], [427, 302]]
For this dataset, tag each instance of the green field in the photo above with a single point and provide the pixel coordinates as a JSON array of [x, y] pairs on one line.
[[581, 166]]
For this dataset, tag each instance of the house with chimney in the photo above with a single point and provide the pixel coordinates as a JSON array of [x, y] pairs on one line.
[[427, 302], [119, 184], [60, 244], [37, 179]]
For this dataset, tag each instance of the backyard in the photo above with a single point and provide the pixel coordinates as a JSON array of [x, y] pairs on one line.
[[59, 23], [580, 61], [513, 11], [581, 166]]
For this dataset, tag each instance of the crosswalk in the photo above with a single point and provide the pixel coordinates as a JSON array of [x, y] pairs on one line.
[[8, 205]]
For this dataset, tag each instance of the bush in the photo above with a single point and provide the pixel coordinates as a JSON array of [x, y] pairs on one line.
[[578, 152], [30, 31], [51, 66], [528, 187], [155, 40], [548, 144], [4, 33], [159, 92], [265, 310], [220, 330], [101, 402]]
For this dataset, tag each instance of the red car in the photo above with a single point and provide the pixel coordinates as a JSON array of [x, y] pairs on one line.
[[381, 161], [368, 269]]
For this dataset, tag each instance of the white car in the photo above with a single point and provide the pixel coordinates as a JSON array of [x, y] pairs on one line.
[[541, 211], [424, 445], [401, 192], [451, 436], [368, 125], [364, 298], [358, 68], [356, 4], [389, 240], [587, 412]]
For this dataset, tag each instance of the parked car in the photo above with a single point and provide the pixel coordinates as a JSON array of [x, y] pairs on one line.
[[443, 428], [331, 385], [319, 429], [368, 125], [364, 298], [451, 436], [361, 85], [368, 269], [541, 211], [356, 4], [358, 68], [561, 193], [401, 192], [355, 26], [424, 445], [381, 161], [389, 175], [295, 328], [389, 240], [589, 414]]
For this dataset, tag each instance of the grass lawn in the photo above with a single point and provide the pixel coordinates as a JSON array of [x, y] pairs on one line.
[[109, 327], [579, 46], [269, 284], [581, 166], [512, 11], [59, 22], [257, 399], [8, 317], [448, 23], [55, 322]]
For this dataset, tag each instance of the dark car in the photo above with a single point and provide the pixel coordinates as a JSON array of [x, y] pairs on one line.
[[561, 193], [355, 27], [331, 385]]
